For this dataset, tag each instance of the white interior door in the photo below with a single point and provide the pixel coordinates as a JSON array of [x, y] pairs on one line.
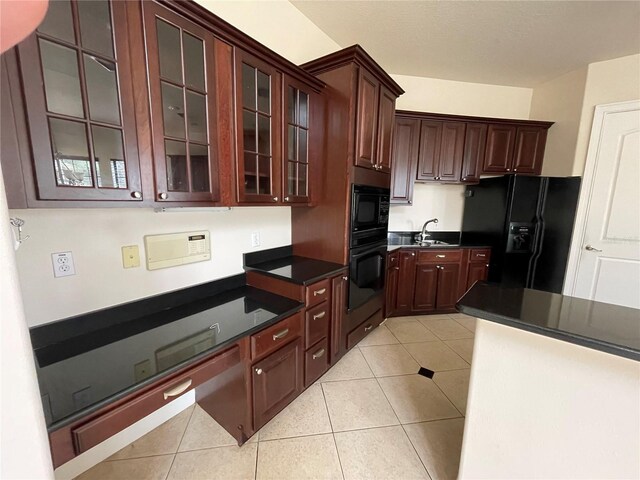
[[605, 260]]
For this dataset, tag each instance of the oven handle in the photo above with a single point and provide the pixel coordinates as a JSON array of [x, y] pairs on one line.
[[358, 252]]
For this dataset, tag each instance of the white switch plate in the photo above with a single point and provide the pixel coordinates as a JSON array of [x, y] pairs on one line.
[[255, 239], [63, 264]]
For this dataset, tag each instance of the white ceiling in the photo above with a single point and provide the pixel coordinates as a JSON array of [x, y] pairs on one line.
[[518, 43]]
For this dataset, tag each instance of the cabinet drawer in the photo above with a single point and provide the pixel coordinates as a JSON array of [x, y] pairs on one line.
[[363, 330], [318, 292], [272, 338], [316, 325], [99, 429], [480, 255], [440, 256], [316, 362]]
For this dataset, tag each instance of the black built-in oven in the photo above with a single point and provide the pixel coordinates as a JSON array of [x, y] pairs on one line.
[[366, 273], [368, 242]]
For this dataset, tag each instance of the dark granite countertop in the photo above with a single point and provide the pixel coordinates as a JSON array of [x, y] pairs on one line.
[[450, 240], [88, 361], [600, 326], [282, 264]]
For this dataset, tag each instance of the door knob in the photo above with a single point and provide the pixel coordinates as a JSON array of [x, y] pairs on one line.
[[592, 249]]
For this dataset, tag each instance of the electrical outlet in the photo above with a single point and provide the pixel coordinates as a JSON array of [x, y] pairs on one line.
[[255, 239], [63, 264]]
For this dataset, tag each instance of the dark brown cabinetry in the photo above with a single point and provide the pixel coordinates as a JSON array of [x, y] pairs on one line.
[[78, 94], [258, 111], [473, 156], [515, 149], [339, 286], [423, 281], [406, 141], [458, 149], [130, 103], [182, 87], [276, 381], [386, 111], [441, 150], [391, 285]]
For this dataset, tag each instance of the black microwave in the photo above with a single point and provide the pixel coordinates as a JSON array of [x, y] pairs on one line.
[[369, 208]]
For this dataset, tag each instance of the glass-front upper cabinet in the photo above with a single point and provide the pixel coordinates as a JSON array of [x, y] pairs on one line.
[[258, 110], [180, 58], [295, 180], [78, 96]]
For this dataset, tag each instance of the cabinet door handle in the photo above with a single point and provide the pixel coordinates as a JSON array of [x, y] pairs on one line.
[[413, 254], [178, 389], [345, 278], [280, 335], [441, 256], [163, 196], [318, 354], [286, 199], [487, 265], [319, 292], [368, 327], [439, 267], [480, 255], [258, 371], [319, 315], [275, 199], [136, 194]]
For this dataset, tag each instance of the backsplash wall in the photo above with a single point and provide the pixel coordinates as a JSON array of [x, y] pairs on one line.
[[444, 202], [95, 238]]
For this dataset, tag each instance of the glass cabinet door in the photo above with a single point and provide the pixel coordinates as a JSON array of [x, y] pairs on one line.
[[297, 102], [78, 96], [258, 114], [182, 86]]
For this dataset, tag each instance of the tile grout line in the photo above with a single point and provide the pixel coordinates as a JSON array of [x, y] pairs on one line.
[[416, 450], [383, 392], [175, 454], [333, 434], [255, 467]]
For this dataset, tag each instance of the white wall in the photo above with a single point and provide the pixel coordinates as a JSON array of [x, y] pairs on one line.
[[543, 408], [95, 238], [24, 447], [616, 80], [560, 101], [446, 202]]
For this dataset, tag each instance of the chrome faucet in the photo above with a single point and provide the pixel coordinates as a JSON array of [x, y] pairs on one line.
[[424, 235]]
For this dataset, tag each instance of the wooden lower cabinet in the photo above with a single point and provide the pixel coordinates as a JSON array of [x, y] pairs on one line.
[[476, 272], [276, 381], [421, 281], [338, 309]]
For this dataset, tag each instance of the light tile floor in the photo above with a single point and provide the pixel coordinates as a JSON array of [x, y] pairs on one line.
[[370, 417]]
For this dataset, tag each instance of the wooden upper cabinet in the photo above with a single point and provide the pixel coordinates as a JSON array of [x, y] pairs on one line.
[[258, 112], [385, 129], [367, 119], [406, 140], [473, 157], [298, 152], [529, 150], [451, 151], [182, 74], [78, 96], [499, 149], [429, 153]]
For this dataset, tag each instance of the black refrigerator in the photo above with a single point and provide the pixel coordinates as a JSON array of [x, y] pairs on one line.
[[528, 222]]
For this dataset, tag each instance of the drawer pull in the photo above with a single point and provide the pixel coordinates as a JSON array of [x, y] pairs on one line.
[[368, 327], [279, 335], [178, 389], [318, 354], [319, 315], [319, 292], [441, 256], [480, 255]]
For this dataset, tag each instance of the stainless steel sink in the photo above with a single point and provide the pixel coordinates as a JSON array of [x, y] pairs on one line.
[[429, 243]]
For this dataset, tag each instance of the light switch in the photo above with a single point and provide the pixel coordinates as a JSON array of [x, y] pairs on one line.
[[130, 256]]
